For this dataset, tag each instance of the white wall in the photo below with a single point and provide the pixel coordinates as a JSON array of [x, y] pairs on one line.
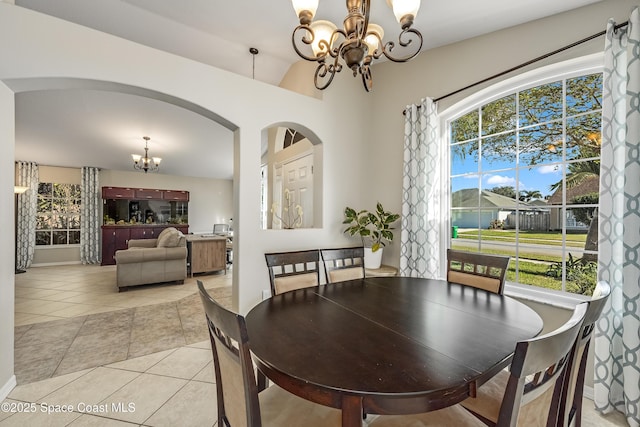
[[41, 52], [7, 251], [440, 71]]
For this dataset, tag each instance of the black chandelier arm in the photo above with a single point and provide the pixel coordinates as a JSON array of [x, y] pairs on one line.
[[405, 39], [367, 78], [308, 37], [307, 31], [325, 74]]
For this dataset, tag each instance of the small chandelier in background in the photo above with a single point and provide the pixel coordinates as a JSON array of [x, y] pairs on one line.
[[358, 44], [146, 163]]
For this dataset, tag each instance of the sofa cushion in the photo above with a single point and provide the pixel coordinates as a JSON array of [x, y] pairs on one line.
[[163, 232], [169, 238]]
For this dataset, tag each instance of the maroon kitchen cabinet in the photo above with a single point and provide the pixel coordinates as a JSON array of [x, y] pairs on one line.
[[116, 237], [118, 193], [178, 196]]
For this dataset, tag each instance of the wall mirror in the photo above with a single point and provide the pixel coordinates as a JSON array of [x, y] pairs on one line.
[[291, 179]]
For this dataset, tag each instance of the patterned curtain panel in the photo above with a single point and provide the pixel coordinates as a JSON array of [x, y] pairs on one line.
[[617, 339], [420, 239], [26, 216], [90, 220]]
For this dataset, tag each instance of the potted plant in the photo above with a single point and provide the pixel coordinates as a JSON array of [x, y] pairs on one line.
[[374, 228]]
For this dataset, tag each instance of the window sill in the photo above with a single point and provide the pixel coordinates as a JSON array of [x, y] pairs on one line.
[[544, 296], [47, 247]]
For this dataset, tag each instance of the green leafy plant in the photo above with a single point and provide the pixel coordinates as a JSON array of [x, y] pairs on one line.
[[374, 227], [581, 274]]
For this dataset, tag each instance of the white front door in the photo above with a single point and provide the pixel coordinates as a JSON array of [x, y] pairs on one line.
[[297, 177]]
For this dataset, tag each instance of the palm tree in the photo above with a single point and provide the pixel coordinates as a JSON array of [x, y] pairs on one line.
[[527, 196]]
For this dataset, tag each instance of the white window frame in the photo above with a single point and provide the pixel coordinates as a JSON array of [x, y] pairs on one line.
[[67, 245], [589, 64]]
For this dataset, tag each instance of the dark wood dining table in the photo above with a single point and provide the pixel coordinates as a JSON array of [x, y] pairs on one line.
[[387, 345]]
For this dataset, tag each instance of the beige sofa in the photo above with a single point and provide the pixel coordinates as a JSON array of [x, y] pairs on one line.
[[153, 260]]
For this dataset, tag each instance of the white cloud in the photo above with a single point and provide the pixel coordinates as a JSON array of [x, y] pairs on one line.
[[554, 169], [501, 181]]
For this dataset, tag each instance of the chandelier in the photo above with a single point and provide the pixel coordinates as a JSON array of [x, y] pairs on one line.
[[358, 43], [146, 163]]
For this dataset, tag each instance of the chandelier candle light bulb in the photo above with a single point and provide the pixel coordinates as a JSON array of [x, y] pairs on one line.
[[358, 43]]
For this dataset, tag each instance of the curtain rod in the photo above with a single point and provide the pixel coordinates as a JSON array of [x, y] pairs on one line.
[[532, 61]]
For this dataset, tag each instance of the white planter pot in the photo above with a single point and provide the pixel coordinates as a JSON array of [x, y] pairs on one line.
[[372, 260]]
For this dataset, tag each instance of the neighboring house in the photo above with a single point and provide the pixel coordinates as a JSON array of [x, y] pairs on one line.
[[588, 186], [473, 210]]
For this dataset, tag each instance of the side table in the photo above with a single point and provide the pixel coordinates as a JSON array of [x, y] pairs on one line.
[[384, 270]]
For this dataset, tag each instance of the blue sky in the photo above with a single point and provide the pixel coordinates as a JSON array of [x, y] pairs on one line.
[[528, 179]]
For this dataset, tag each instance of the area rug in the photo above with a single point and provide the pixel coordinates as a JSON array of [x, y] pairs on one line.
[[48, 349]]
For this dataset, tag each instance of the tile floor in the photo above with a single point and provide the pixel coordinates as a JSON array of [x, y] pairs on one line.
[[166, 388], [53, 293]]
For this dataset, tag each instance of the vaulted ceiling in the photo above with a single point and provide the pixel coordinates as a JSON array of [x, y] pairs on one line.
[[218, 33]]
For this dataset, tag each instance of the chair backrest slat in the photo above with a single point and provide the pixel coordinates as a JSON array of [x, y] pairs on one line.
[[343, 264], [478, 270], [283, 266]]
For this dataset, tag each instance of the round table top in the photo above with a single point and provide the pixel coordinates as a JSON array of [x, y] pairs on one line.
[[386, 339]]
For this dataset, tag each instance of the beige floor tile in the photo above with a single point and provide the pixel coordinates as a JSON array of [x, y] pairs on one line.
[[21, 319], [33, 392], [193, 405], [201, 344], [207, 374], [37, 293], [87, 420], [42, 416], [7, 412], [142, 363], [92, 388], [29, 304], [185, 362], [591, 418], [147, 392], [45, 308], [58, 295], [96, 309], [73, 311]]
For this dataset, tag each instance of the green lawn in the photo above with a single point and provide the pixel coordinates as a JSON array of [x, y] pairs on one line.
[[543, 238], [533, 265]]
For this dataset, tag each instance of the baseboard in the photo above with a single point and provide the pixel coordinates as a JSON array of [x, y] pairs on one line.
[[54, 264], [6, 389], [587, 392]]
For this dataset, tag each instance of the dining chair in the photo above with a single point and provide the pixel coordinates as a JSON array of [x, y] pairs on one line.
[[477, 270], [343, 264], [533, 390], [241, 400], [293, 270], [571, 403], [489, 395]]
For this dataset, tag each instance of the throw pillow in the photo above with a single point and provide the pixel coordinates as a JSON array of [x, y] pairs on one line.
[[169, 238]]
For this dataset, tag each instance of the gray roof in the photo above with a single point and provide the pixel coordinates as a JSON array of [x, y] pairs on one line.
[[468, 198]]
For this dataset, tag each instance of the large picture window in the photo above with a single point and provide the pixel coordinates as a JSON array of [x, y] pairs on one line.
[[58, 217], [524, 181]]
